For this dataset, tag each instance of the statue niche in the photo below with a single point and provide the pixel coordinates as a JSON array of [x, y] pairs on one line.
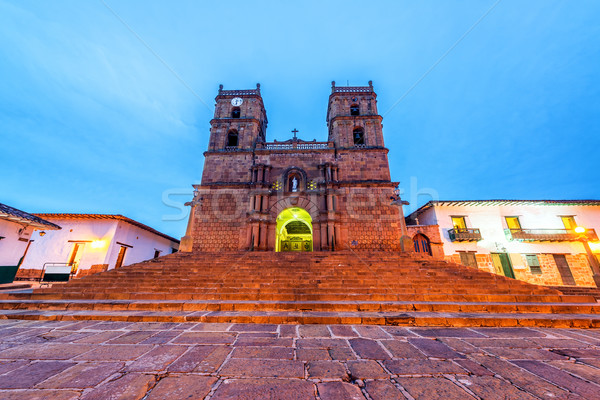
[[295, 181]]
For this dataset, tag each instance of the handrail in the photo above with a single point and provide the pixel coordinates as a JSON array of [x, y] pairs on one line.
[[56, 264], [552, 234]]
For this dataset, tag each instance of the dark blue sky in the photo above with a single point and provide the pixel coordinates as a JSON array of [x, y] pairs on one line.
[[92, 120]]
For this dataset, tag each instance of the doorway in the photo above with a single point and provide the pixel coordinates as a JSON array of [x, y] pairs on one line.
[[294, 230], [120, 257], [422, 244], [563, 269], [502, 265]]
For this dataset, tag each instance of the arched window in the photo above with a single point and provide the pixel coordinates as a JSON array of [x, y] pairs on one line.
[[235, 112], [232, 138], [421, 243], [359, 136], [354, 109]]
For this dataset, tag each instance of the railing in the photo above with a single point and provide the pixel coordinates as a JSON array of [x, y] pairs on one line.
[[552, 235], [295, 146], [310, 146], [464, 235], [231, 148], [352, 89], [248, 92], [57, 272]]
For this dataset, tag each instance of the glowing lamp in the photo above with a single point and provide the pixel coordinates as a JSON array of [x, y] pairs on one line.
[[580, 229], [97, 244]]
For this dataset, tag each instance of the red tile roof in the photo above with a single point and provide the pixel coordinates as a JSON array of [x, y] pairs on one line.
[[117, 217]]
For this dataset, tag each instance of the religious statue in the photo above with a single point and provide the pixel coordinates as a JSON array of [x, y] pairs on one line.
[[294, 184]]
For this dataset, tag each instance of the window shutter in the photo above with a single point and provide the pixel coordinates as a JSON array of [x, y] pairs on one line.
[[534, 264]]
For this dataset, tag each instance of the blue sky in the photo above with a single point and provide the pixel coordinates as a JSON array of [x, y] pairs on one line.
[[91, 119]]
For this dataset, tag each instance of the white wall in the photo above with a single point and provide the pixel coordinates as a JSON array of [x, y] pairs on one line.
[[55, 246], [143, 243], [11, 248], [490, 220]]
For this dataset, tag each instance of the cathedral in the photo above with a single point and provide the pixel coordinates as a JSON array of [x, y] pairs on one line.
[[295, 195]]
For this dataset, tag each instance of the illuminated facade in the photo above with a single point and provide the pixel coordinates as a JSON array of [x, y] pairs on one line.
[[90, 243], [295, 195], [547, 242]]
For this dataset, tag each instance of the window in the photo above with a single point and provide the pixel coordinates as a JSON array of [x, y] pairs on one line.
[[467, 258], [354, 109], [235, 112], [534, 264], [569, 222], [513, 223], [232, 139], [459, 224], [359, 136]]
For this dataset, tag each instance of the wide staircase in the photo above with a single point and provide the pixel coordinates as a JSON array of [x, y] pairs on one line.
[[343, 287]]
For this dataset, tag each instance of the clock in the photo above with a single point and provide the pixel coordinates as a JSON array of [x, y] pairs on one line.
[[236, 101]]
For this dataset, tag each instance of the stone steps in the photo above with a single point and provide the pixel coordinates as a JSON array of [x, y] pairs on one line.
[[375, 296], [329, 288], [579, 291], [265, 305], [301, 317]]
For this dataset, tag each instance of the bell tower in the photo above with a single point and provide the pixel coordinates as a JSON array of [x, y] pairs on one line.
[[352, 117], [240, 120]]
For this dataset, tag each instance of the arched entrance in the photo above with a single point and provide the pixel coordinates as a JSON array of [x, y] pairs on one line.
[[294, 230]]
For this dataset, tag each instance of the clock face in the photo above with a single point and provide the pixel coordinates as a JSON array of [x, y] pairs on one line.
[[236, 101]]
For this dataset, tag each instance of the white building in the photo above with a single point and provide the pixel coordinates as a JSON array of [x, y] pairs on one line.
[[535, 241], [16, 227], [92, 243]]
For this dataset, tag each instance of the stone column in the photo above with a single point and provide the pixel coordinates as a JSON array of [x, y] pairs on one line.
[[187, 242], [406, 244]]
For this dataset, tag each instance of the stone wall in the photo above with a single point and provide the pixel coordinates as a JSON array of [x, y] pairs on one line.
[[368, 220], [220, 220], [432, 232], [578, 264]]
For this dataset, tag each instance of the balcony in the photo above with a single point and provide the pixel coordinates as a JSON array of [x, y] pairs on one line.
[[295, 145], [464, 235], [552, 235]]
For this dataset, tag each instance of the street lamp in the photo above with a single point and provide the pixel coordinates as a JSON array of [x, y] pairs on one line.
[[594, 265]]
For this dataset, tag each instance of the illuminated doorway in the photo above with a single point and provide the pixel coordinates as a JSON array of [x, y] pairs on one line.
[[294, 230]]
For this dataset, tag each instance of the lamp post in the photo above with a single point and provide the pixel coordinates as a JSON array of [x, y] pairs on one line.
[[594, 265]]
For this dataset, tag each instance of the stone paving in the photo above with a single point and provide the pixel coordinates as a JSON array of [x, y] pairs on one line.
[[124, 360]]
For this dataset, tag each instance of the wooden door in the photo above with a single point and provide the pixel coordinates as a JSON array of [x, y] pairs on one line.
[[563, 269], [502, 265], [120, 257]]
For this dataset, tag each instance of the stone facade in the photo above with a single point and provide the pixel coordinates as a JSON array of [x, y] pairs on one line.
[[342, 185]]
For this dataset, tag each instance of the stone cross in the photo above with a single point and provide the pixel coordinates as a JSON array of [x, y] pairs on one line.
[[294, 132]]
